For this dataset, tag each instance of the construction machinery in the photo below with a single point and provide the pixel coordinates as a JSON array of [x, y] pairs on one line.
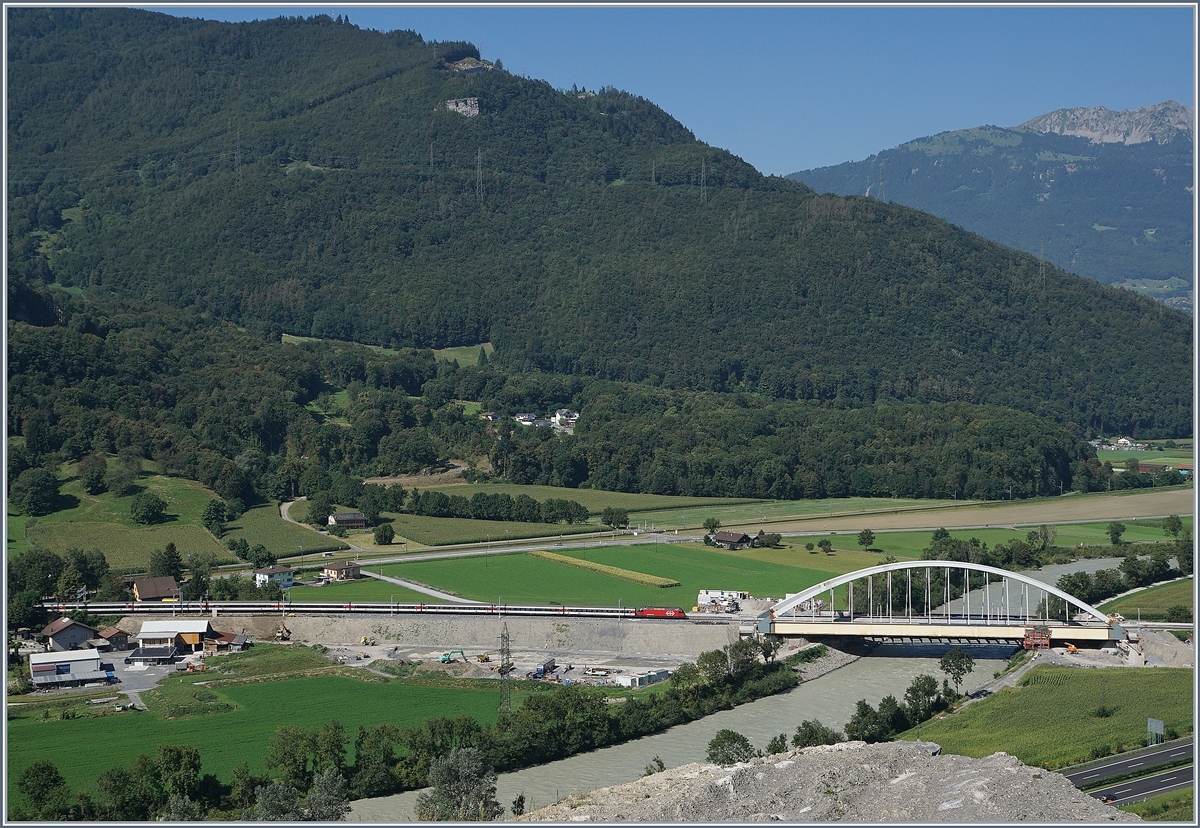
[[483, 658], [282, 633], [1071, 648], [446, 658], [368, 641]]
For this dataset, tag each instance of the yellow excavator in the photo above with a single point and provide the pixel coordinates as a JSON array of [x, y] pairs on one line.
[[368, 641], [483, 658], [283, 633]]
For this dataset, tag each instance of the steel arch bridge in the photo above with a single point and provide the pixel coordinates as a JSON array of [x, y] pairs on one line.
[[1004, 606]]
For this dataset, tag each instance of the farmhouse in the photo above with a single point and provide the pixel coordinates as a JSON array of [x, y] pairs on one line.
[[731, 540], [342, 571], [348, 520], [565, 418], [274, 574], [155, 589], [66, 669], [65, 634]]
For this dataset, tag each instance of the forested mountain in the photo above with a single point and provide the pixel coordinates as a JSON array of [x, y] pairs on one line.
[[1103, 194], [306, 177]]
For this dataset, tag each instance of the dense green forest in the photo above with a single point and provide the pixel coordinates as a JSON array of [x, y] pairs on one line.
[[242, 413], [304, 176], [1112, 212]]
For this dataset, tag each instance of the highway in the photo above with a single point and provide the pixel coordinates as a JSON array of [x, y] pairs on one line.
[[1132, 762], [1136, 790]]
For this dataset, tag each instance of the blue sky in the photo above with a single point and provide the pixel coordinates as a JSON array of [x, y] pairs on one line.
[[790, 88]]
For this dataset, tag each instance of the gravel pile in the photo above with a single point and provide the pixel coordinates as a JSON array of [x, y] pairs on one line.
[[1165, 650], [852, 782]]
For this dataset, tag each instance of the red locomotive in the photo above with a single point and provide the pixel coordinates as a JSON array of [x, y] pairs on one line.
[[659, 612]]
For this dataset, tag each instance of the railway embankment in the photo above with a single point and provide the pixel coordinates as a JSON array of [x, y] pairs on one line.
[[681, 639]]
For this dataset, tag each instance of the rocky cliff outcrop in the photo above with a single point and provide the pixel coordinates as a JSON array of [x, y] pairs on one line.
[[1160, 123], [851, 782]]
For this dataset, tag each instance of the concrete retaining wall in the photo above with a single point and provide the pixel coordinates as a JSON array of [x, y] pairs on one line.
[[684, 639]]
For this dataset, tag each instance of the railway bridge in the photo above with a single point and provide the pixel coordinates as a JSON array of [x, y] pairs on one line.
[[940, 600]]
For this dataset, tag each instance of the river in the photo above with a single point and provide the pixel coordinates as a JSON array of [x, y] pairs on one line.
[[831, 698]]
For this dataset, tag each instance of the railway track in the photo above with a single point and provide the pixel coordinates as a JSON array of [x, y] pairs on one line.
[[359, 608]]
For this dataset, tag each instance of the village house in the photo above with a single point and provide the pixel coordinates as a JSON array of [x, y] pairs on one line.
[[155, 589], [348, 520], [342, 571], [116, 637], [565, 418], [274, 574], [65, 634], [731, 540], [490, 416], [67, 669]]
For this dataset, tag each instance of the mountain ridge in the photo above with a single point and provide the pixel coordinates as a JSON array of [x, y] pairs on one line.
[[1106, 195]]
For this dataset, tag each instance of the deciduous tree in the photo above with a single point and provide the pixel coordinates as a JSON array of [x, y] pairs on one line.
[[728, 747]]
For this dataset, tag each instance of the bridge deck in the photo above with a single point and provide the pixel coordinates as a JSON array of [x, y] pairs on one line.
[[903, 628]]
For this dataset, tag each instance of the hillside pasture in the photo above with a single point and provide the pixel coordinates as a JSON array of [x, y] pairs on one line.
[[1050, 717], [464, 355], [263, 524], [1152, 604]]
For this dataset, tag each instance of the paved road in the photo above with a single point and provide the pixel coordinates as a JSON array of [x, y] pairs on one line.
[[1124, 793], [1131, 762]]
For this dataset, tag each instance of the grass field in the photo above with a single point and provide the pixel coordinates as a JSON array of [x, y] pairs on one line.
[[595, 500], [909, 544], [1051, 717], [248, 713], [364, 589], [1152, 604], [749, 515], [466, 354], [1176, 806], [103, 521], [262, 524], [522, 579], [432, 531], [1166, 457]]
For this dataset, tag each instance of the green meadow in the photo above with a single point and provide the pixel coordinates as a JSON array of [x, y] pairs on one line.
[[262, 524], [1051, 716], [1152, 604], [522, 579], [595, 500], [103, 521], [232, 723], [435, 531]]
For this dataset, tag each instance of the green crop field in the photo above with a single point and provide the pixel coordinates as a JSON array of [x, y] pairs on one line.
[[433, 531], [595, 500], [245, 716], [1152, 604], [522, 579], [1051, 718]]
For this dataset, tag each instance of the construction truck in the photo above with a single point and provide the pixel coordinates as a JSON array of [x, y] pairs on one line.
[[483, 658], [283, 633], [446, 658], [368, 641], [596, 671]]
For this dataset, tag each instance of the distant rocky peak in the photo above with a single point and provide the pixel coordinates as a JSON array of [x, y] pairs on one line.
[[1161, 123]]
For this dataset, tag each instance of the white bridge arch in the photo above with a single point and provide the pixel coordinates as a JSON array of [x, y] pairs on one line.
[[807, 612]]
